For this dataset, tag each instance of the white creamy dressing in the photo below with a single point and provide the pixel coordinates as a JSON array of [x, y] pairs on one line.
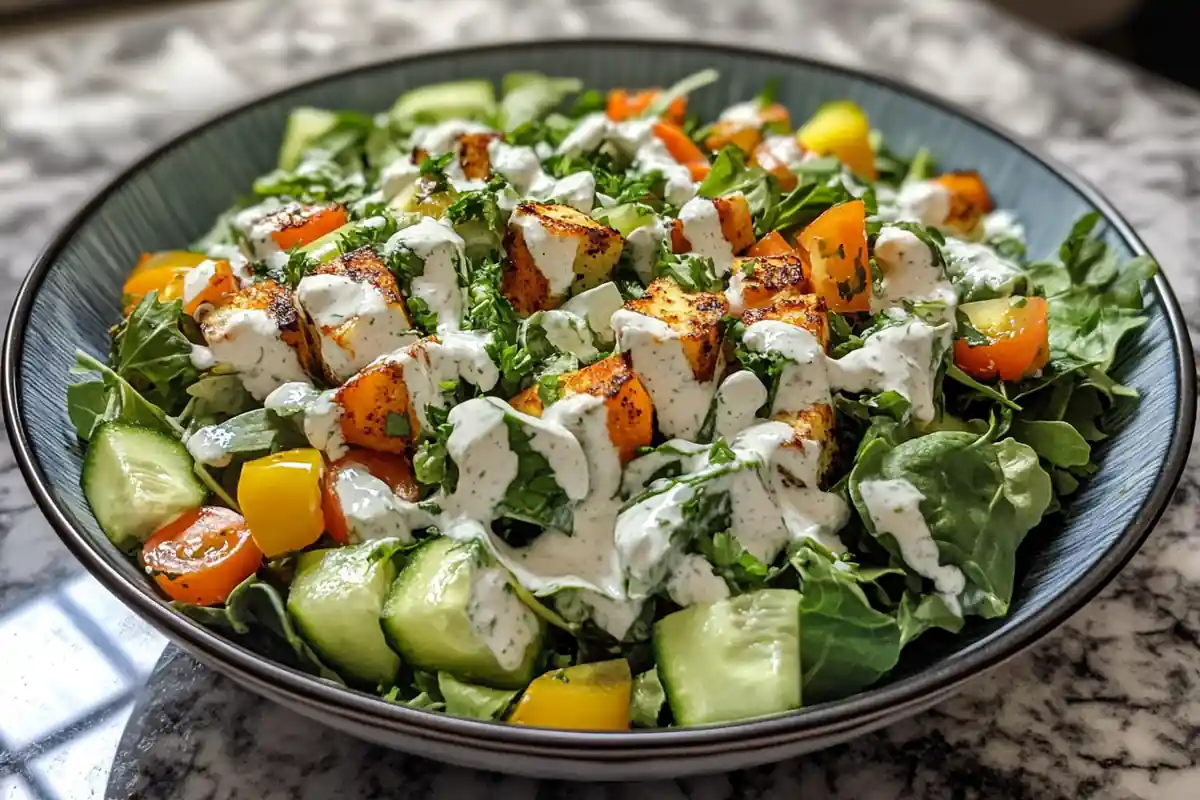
[[210, 446], [785, 149], [197, 280], [895, 509], [596, 306], [976, 264], [926, 202], [249, 341], [702, 229], [442, 249], [371, 509], [566, 332], [253, 224], [355, 322], [239, 265], [804, 381], [553, 255], [738, 400], [693, 581], [680, 401], [202, 358], [397, 177], [1003, 224], [290, 399], [323, 425], [614, 616], [635, 140], [909, 271], [443, 137], [642, 244], [522, 167], [646, 538], [748, 114], [900, 358], [498, 617], [429, 363], [793, 471]]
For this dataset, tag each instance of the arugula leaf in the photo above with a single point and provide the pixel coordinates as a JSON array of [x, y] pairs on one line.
[[845, 644], [89, 404], [955, 373], [729, 174], [646, 700], [808, 201], [255, 616], [315, 181], [681, 88], [258, 431], [152, 354], [530, 95]]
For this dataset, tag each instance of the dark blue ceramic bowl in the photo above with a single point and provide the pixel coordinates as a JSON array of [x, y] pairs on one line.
[[170, 196]]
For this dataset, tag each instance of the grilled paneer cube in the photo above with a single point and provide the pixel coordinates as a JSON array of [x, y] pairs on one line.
[[377, 409], [815, 424], [554, 251], [357, 309], [802, 310], [758, 281], [471, 153], [630, 412], [695, 317], [261, 332], [737, 226]]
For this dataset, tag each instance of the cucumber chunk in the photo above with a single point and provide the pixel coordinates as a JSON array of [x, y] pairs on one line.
[[304, 126], [335, 599], [733, 659], [450, 611], [469, 99], [138, 480]]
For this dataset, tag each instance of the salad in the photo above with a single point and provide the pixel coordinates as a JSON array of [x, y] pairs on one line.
[[569, 409]]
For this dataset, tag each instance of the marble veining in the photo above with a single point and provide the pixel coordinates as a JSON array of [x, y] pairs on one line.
[[1107, 707]]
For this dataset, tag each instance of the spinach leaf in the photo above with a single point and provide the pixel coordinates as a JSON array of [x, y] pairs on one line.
[[471, 701], [150, 352], [530, 95], [216, 397], [922, 612], [534, 495], [980, 499], [647, 699], [845, 644], [1054, 440], [255, 616], [258, 431], [730, 174]]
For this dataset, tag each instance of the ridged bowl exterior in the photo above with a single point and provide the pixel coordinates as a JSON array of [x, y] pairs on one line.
[[171, 195]]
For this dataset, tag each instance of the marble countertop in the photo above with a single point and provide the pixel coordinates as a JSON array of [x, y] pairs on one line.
[[95, 704]]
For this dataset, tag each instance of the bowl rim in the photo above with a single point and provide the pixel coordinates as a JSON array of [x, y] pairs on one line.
[[306, 690]]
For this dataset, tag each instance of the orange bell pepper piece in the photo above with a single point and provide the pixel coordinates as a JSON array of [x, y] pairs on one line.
[[836, 244], [773, 244], [623, 104]]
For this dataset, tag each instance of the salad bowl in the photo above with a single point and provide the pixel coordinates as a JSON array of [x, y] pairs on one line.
[[170, 195]]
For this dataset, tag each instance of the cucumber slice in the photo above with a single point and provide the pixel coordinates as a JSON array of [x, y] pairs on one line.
[[733, 659], [470, 99], [304, 126], [335, 598], [138, 480], [441, 616]]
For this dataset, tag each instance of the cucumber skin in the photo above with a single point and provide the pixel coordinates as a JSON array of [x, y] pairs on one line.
[[312, 621], [704, 662], [455, 648], [90, 477]]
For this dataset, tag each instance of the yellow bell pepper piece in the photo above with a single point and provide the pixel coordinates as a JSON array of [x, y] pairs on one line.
[[587, 697], [280, 496], [841, 129]]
